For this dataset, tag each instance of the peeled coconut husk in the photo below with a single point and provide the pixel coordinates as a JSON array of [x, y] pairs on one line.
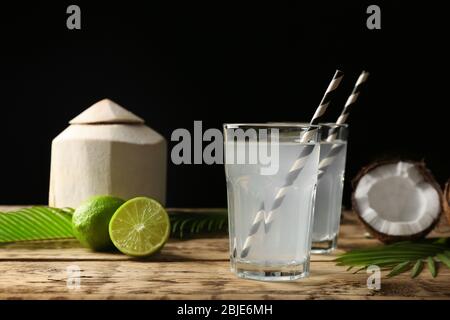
[[446, 202], [397, 200]]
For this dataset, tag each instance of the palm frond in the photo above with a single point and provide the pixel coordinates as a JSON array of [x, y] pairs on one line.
[[36, 223], [432, 267], [401, 257], [189, 222], [417, 269]]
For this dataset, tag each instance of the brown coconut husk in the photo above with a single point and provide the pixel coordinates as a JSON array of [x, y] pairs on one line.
[[386, 238], [446, 200]]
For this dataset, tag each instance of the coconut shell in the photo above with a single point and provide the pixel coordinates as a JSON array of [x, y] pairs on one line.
[[386, 238], [446, 200]]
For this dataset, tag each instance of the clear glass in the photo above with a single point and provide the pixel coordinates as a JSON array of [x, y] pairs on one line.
[[330, 184], [271, 214]]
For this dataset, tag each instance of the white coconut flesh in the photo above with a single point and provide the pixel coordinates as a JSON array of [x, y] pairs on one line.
[[396, 199]]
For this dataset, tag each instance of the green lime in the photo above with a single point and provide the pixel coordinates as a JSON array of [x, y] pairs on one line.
[[91, 220], [139, 227]]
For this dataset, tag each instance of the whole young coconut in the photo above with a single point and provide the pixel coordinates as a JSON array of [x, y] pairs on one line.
[[397, 200]]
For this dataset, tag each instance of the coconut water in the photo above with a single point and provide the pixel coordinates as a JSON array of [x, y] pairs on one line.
[[328, 205], [287, 241]]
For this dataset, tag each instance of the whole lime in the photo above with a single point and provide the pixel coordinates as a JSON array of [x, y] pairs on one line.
[[91, 221]]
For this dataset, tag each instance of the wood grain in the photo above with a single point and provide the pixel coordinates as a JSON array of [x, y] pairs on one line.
[[199, 280], [193, 269]]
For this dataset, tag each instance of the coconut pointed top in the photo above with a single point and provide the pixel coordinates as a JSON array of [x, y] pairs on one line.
[[106, 111]]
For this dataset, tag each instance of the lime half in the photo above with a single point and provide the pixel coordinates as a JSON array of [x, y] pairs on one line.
[[139, 227]]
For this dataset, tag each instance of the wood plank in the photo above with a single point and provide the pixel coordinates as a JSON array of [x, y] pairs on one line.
[[198, 280], [175, 250]]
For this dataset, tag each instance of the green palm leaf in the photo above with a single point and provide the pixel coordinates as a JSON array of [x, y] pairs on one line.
[[432, 266], [189, 222], [444, 259], [417, 269], [36, 223], [400, 257], [400, 268]]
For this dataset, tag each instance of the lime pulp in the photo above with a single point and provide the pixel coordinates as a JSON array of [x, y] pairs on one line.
[[140, 227]]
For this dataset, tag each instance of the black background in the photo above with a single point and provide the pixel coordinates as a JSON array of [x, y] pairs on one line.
[[220, 62]]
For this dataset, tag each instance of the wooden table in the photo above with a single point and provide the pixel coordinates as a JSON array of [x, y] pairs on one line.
[[194, 269]]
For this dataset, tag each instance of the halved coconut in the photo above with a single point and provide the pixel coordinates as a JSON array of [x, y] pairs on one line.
[[447, 200], [397, 200]]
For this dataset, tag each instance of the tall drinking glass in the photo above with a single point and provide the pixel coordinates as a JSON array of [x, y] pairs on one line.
[[271, 202], [330, 184]]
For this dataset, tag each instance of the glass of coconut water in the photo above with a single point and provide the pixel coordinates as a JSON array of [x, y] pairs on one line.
[[271, 174], [330, 184]]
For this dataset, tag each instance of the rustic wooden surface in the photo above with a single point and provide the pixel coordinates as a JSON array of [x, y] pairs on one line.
[[194, 269]]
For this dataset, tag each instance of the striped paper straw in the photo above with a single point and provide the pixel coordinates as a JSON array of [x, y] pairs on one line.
[[349, 104], [320, 111], [332, 135], [295, 169]]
